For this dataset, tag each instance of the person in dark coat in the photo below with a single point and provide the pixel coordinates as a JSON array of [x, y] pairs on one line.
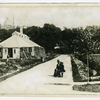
[[62, 70], [57, 70]]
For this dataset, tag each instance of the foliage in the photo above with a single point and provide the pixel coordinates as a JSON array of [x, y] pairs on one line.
[[39, 52], [75, 73], [94, 63], [26, 62], [69, 40], [78, 41], [87, 87], [10, 69]]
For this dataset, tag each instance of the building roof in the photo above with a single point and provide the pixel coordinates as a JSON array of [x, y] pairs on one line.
[[18, 41]]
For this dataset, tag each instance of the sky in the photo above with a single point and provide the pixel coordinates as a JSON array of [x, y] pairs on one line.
[[61, 15]]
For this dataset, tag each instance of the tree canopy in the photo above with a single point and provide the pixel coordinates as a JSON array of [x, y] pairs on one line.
[[69, 40]]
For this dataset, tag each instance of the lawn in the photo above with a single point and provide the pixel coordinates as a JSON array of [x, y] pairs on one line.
[[87, 87]]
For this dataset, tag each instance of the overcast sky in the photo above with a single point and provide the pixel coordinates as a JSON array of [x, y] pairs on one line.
[[60, 15]]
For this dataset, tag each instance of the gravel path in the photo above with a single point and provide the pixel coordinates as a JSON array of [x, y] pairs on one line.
[[40, 80]]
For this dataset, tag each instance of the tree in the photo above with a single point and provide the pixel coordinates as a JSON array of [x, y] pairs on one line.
[[51, 35], [88, 35]]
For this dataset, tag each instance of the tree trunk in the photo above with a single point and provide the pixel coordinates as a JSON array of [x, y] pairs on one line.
[[88, 66]]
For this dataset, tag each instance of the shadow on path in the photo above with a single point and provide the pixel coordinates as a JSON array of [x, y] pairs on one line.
[[51, 75], [56, 84]]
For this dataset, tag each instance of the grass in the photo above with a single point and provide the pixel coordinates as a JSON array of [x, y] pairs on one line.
[[87, 87]]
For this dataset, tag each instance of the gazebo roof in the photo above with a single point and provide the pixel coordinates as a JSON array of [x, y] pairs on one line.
[[18, 41]]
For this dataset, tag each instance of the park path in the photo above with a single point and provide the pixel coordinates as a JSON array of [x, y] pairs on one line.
[[40, 80]]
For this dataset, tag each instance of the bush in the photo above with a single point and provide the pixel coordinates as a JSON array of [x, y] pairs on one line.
[[82, 57], [4, 70], [80, 70], [94, 61], [2, 65], [12, 61], [13, 67], [25, 62], [19, 64], [1, 72], [87, 87], [75, 73]]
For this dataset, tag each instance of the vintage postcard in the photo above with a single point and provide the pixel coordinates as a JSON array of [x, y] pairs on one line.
[[50, 50]]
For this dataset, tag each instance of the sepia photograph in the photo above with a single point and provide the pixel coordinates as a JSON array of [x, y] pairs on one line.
[[50, 50]]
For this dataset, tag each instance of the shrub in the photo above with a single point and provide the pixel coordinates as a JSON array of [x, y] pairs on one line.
[[94, 61], [82, 57], [87, 87], [2, 65], [1, 72], [25, 62], [39, 52], [4, 70], [12, 61], [14, 67], [75, 73], [80, 70]]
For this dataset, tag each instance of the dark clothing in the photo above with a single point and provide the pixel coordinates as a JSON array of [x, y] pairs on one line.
[[58, 67], [62, 68], [59, 70], [56, 73]]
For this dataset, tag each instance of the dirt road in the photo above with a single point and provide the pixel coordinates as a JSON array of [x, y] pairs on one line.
[[40, 80]]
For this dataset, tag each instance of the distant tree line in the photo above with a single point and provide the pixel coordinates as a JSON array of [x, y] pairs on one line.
[[74, 40]]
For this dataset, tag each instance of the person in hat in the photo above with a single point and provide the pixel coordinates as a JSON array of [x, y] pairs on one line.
[[57, 70], [62, 70]]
